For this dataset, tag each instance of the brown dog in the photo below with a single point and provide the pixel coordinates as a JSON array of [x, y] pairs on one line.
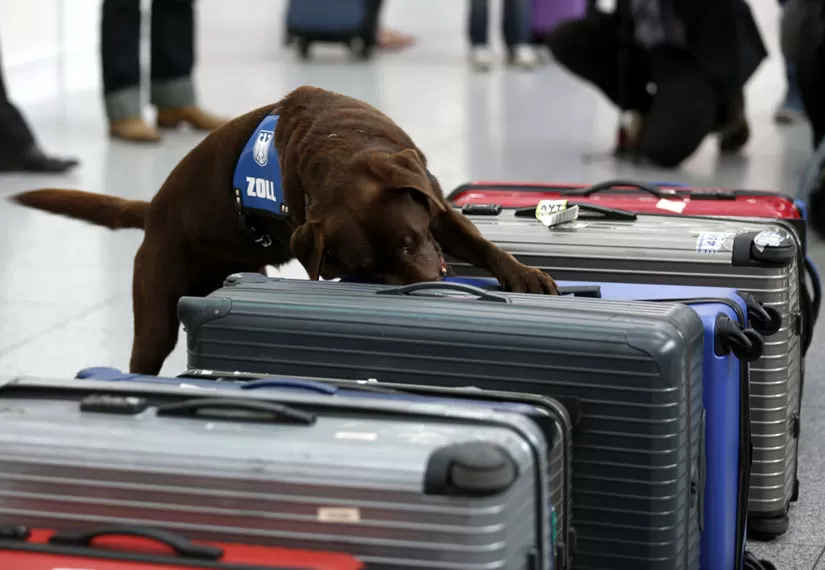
[[357, 201]]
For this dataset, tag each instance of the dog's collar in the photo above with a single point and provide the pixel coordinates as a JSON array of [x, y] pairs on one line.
[[257, 181]]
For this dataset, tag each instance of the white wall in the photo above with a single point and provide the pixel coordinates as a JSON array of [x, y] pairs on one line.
[[37, 31]]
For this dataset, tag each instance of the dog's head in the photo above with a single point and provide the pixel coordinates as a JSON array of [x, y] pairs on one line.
[[376, 226]]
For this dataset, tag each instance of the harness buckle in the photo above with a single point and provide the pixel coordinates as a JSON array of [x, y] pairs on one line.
[[243, 223]]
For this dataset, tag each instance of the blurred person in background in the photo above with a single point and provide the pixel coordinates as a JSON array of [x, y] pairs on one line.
[[19, 151], [676, 68], [515, 29], [172, 60], [802, 37], [790, 110], [803, 45]]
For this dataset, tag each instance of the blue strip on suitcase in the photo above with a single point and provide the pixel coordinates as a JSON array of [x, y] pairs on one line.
[[726, 401], [296, 385]]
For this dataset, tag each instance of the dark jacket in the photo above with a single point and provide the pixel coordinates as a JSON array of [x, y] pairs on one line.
[[721, 34]]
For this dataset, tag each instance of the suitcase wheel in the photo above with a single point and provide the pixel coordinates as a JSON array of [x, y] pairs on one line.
[[765, 320], [303, 45], [745, 344], [470, 469], [768, 529], [361, 49]]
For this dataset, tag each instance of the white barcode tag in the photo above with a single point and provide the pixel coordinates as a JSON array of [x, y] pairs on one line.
[[675, 206], [555, 212]]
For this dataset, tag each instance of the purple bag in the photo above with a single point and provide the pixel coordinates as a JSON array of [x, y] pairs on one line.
[[547, 14]]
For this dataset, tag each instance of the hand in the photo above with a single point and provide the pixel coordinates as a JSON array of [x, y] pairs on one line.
[[519, 278]]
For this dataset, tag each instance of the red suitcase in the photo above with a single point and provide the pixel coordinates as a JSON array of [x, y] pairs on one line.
[[651, 198], [636, 197], [149, 549]]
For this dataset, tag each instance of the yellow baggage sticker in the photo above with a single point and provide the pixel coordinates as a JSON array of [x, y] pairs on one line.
[[555, 212]]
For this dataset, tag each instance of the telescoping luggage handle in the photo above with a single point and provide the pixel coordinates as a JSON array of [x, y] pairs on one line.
[[181, 546], [590, 291]]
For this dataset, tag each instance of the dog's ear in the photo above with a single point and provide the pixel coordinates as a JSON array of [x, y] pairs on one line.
[[307, 244], [405, 170]]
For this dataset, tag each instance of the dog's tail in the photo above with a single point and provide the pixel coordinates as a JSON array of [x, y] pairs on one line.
[[99, 209]]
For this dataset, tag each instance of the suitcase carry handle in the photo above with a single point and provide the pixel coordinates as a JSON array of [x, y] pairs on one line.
[[482, 294], [308, 385], [587, 291], [255, 410], [608, 213], [180, 545], [616, 184], [650, 188]]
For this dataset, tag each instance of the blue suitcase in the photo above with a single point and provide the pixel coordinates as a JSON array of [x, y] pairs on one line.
[[726, 397], [556, 419], [351, 22]]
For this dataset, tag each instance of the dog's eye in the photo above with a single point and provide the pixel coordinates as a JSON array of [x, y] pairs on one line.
[[407, 245]]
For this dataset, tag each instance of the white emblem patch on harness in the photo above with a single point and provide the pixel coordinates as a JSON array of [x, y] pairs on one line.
[[260, 151]]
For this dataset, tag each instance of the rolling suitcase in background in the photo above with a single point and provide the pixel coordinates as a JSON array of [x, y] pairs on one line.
[[399, 485], [658, 198], [635, 369], [136, 548], [551, 416], [757, 257], [729, 346], [351, 22], [547, 14]]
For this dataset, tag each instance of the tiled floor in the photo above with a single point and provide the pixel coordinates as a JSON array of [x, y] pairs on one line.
[[64, 286]]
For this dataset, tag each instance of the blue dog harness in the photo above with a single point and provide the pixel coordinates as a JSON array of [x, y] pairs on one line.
[[257, 181]]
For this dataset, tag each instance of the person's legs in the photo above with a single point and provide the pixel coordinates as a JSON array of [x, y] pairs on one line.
[[14, 131], [478, 25], [790, 110], [516, 32], [120, 58], [683, 110], [173, 57], [18, 149], [120, 55], [811, 78], [387, 38]]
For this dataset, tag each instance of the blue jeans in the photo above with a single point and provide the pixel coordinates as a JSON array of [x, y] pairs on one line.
[[516, 24]]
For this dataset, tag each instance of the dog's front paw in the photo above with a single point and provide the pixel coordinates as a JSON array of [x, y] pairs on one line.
[[523, 279]]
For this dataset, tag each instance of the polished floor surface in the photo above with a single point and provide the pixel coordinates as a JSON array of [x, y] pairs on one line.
[[65, 286]]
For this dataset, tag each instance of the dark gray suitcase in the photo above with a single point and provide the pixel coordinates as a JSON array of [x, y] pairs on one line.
[[755, 256], [400, 485], [634, 368]]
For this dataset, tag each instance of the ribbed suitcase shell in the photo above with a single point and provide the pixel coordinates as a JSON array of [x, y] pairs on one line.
[[559, 457], [635, 368], [726, 390], [663, 250], [368, 478]]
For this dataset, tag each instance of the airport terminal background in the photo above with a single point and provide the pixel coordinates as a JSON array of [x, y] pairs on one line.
[[65, 286]]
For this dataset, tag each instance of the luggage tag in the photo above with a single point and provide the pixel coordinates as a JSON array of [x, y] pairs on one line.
[[554, 212]]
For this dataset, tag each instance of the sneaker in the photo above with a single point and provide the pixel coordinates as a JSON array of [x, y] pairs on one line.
[[523, 56], [481, 58], [791, 110]]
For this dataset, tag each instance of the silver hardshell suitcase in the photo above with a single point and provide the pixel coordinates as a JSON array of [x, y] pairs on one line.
[[559, 416], [634, 368], [398, 485], [761, 257]]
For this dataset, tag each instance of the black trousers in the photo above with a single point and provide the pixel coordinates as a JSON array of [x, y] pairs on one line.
[[15, 133], [678, 115], [810, 79], [172, 41]]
